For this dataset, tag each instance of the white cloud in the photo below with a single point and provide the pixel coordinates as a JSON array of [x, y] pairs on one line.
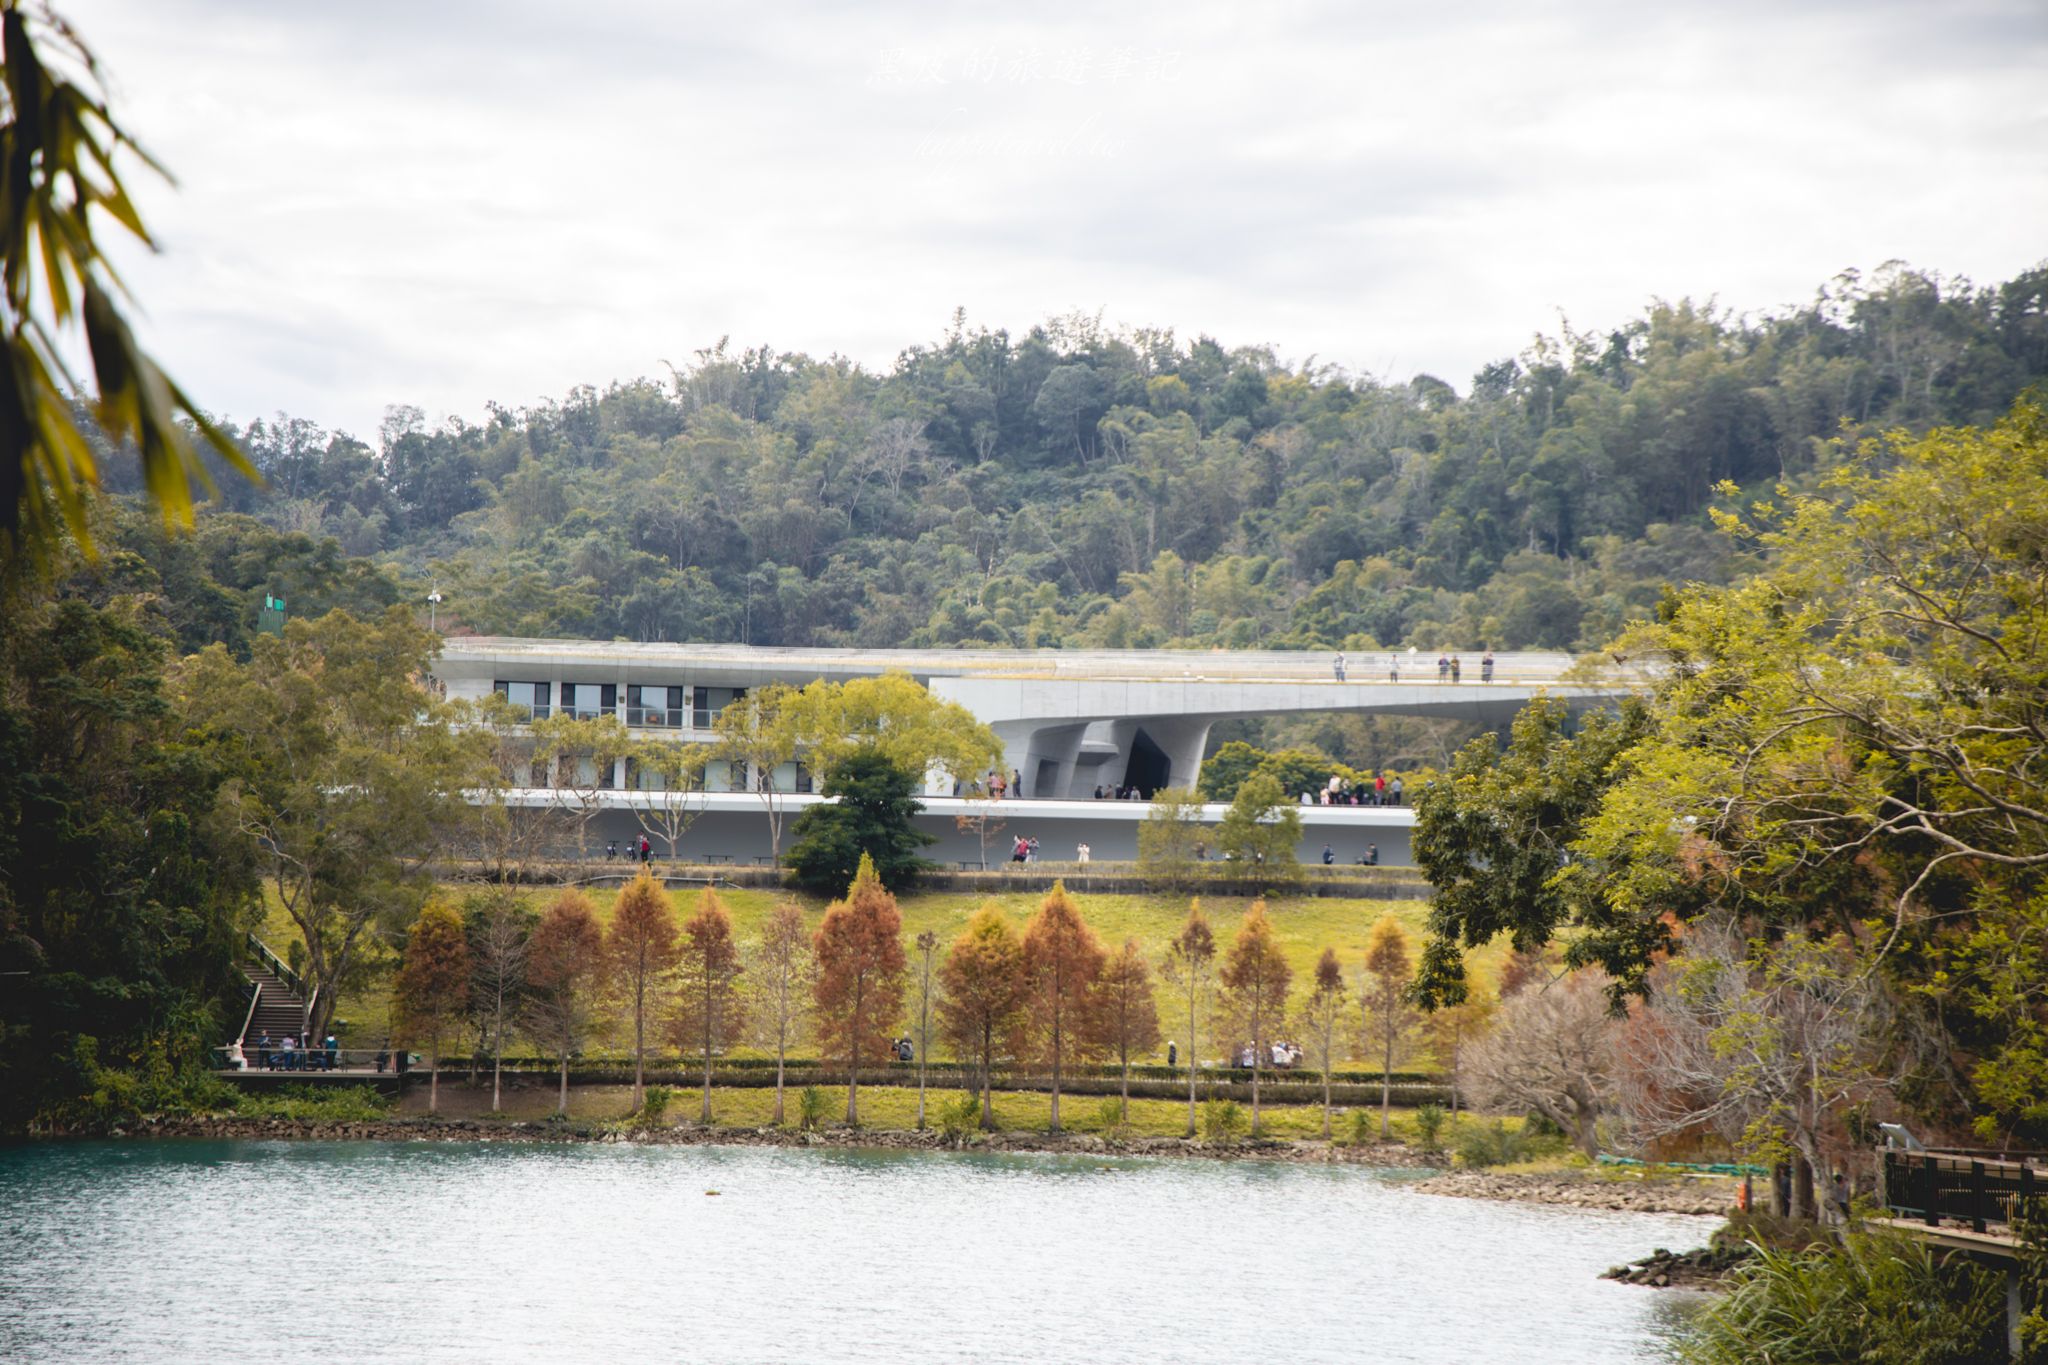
[[452, 203]]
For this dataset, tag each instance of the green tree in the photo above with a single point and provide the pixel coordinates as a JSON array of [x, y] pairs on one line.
[[895, 717], [1167, 838], [1261, 829], [125, 887], [349, 776], [1494, 833], [871, 819], [61, 149], [433, 987], [1224, 771]]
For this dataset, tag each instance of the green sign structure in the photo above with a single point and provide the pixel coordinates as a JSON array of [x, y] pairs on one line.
[[271, 618]]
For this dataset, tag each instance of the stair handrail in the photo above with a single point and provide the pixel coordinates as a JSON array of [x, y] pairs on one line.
[[255, 994], [276, 965]]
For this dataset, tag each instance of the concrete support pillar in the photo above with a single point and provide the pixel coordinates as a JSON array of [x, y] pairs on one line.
[[1183, 738]]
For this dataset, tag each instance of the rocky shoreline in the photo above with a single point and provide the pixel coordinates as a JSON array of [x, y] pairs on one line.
[[1706, 1267], [478, 1130], [1708, 1198]]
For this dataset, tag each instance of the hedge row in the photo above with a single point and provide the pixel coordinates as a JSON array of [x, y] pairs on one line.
[[739, 1070]]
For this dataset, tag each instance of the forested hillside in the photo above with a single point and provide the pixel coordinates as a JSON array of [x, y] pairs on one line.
[[1079, 487]]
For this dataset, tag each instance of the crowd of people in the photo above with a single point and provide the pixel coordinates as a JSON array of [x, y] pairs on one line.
[[1342, 791], [289, 1055]]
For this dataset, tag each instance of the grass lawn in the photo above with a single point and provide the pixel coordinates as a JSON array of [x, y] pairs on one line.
[[1305, 926]]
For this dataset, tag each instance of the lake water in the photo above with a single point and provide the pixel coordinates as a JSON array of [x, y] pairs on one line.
[[272, 1251]]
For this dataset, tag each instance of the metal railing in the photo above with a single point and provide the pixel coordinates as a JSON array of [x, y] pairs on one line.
[[1979, 1189], [277, 966], [316, 1060]]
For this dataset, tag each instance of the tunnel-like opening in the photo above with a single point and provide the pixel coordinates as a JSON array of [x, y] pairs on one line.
[[1149, 768]]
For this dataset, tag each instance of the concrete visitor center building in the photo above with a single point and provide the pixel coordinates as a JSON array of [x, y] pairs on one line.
[[1069, 722]]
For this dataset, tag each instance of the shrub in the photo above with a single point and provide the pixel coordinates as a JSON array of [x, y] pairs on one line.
[[654, 1108], [316, 1104], [958, 1117], [1429, 1127], [810, 1107], [1224, 1121], [1877, 1298], [1364, 1125], [1492, 1144], [1109, 1115]]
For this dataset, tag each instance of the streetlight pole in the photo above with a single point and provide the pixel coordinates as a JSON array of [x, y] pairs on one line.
[[434, 609]]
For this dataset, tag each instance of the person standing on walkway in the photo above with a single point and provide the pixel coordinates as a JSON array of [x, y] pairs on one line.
[[1395, 792], [1443, 667], [1081, 854], [1338, 668], [646, 851], [1486, 667], [1329, 855], [1457, 667], [1393, 668]]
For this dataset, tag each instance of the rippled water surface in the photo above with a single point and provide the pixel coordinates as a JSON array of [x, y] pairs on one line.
[[255, 1251]]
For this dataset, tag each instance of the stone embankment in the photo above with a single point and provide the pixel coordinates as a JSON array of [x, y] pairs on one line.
[[1713, 1197], [483, 1130]]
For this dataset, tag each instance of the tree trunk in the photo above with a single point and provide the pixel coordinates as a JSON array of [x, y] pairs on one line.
[[498, 1054], [853, 1060], [1258, 1049], [434, 1079], [1387, 1085], [1191, 1061], [1802, 1188], [988, 1106], [1124, 1055], [705, 1116], [639, 1039], [1329, 1045], [853, 1087], [562, 1104], [1056, 1040], [779, 1050]]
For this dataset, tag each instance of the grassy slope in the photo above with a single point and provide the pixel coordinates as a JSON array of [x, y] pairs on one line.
[[1305, 926]]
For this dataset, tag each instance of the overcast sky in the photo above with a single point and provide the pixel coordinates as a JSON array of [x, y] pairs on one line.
[[447, 203]]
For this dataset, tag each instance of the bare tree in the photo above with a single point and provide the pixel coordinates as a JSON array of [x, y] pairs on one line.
[[1769, 1049], [1390, 1017], [498, 930], [579, 756], [1322, 1012], [1553, 1051], [667, 811], [927, 944], [782, 974], [1191, 966]]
